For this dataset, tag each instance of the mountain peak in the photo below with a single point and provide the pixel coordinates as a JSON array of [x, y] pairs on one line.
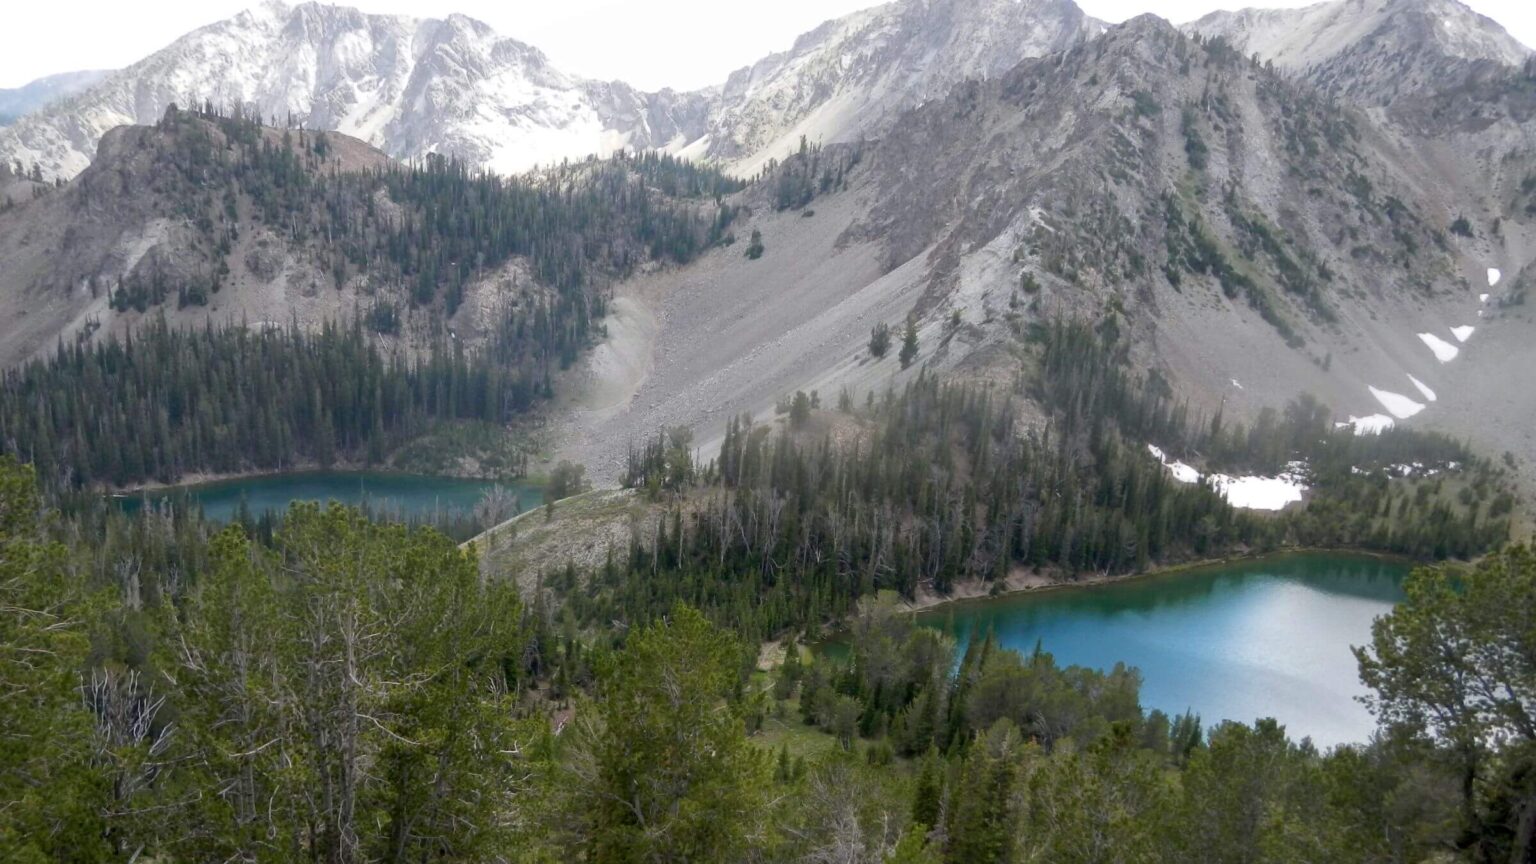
[[851, 77], [265, 12], [1312, 36]]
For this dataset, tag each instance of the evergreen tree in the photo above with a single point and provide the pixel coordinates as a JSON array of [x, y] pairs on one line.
[[982, 811], [927, 798], [675, 777], [909, 344], [879, 340], [50, 791]]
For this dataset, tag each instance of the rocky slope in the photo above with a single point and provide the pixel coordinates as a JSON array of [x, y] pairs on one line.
[[1453, 91], [126, 220], [1256, 231], [851, 77], [1370, 51], [210, 219], [1252, 238]]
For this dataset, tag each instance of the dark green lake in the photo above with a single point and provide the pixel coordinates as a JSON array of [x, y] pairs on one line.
[[1263, 638], [407, 495]]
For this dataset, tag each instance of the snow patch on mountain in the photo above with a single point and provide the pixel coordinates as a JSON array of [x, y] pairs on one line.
[[1397, 404], [1445, 352], [1251, 492], [1371, 424]]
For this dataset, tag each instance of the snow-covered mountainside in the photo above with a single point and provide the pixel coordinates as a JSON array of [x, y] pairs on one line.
[[1368, 50], [34, 95], [852, 76], [408, 86]]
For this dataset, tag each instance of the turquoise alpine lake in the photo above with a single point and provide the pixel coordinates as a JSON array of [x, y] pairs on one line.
[[408, 495], [1268, 637]]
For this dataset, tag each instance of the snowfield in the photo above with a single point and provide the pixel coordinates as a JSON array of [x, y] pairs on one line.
[[1445, 352], [1397, 404], [1260, 493], [1423, 388], [1250, 492], [1371, 424]]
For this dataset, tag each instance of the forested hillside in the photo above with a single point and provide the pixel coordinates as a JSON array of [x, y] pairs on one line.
[[945, 487], [380, 352], [166, 403], [347, 691]]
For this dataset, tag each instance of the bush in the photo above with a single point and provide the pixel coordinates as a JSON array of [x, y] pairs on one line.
[[566, 480]]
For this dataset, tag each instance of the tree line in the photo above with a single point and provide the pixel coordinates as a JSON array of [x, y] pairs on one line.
[[165, 402]]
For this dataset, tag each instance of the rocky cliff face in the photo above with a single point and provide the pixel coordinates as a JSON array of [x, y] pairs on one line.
[[407, 86], [1369, 51], [852, 77]]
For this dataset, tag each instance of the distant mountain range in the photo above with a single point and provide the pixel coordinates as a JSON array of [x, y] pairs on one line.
[[35, 95], [417, 86]]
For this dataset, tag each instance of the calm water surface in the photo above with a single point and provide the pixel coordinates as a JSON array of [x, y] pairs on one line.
[[401, 494], [1269, 637]]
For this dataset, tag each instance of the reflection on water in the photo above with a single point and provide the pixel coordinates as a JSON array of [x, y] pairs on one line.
[[403, 495], [1258, 638]]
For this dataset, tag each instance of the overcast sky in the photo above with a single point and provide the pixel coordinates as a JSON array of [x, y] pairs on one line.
[[649, 43]]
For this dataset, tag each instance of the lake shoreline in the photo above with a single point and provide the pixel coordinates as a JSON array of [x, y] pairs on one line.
[[1044, 582], [201, 479], [1256, 636], [388, 495]]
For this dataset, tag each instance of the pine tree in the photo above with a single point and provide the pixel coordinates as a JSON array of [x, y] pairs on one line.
[[909, 344], [676, 779], [879, 340], [46, 780], [928, 795], [982, 814]]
